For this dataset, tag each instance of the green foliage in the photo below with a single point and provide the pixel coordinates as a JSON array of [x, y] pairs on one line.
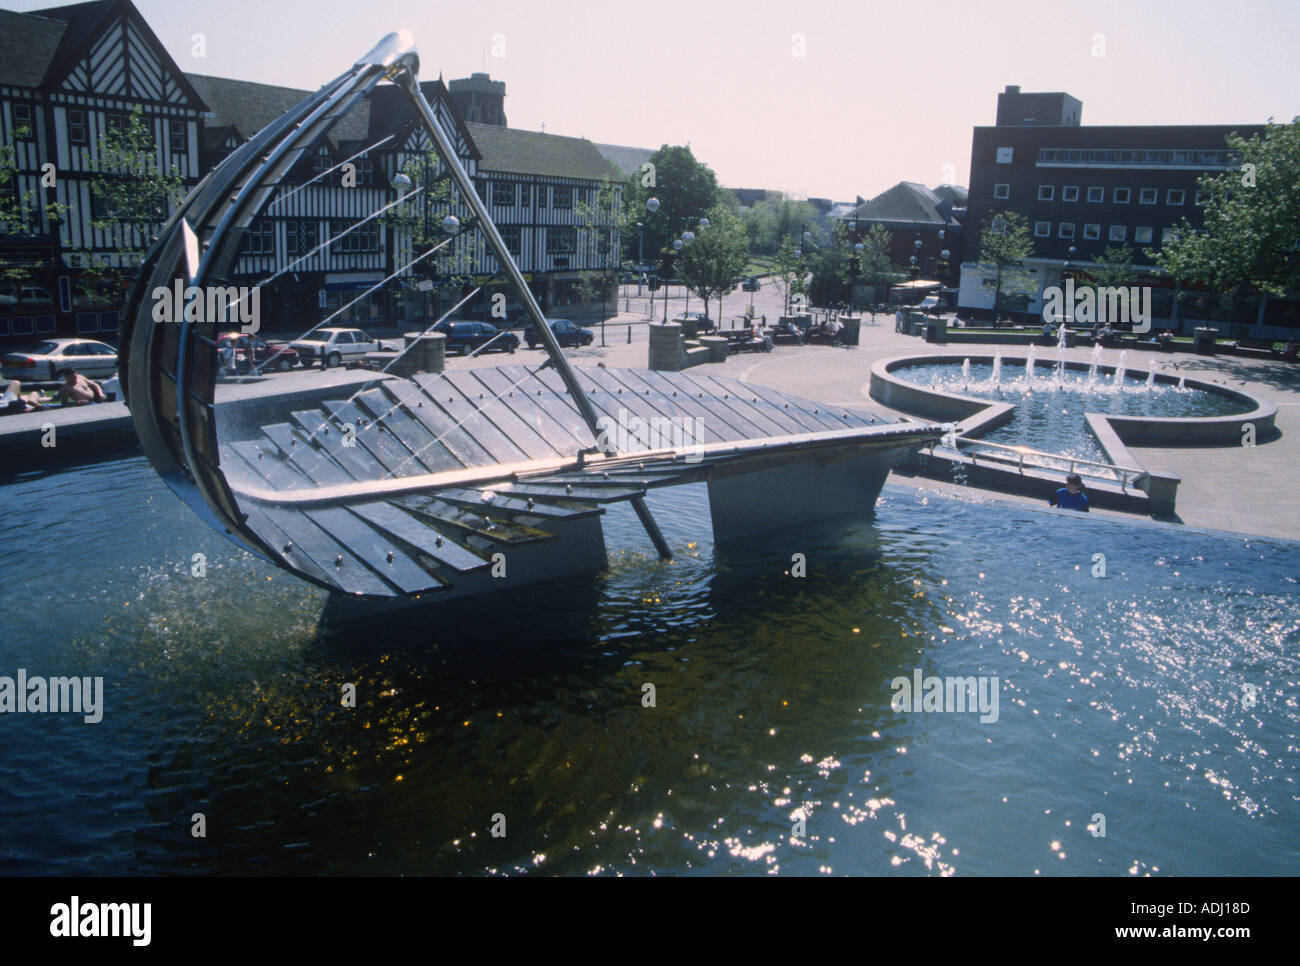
[[685, 189], [135, 196], [418, 219], [790, 271], [709, 267], [1251, 234], [773, 220], [21, 213], [1005, 243]]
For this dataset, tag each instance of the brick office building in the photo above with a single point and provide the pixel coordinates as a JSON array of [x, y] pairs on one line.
[[1087, 188]]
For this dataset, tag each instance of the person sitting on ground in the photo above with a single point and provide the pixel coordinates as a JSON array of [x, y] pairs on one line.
[[1071, 496], [77, 390], [13, 400]]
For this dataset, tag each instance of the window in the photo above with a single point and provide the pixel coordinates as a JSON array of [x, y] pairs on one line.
[[1066, 230], [301, 236], [1175, 196], [24, 129], [259, 239], [1096, 195], [1118, 232], [1042, 229], [561, 241], [1046, 192], [510, 234], [365, 171], [503, 193], [1091, 232], [320, 164], [363, 239], [998, 226], [1142, 235], [1004, 155], [1002, 191], [525, 195], [1121, 196], [562, 198], [482, 189], [1169, 235], [77, 127], [1148, 196], [176, 136], [1070, 193], [1202, 197]]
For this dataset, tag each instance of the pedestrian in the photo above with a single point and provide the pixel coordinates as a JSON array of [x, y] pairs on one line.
[[1070, 496]]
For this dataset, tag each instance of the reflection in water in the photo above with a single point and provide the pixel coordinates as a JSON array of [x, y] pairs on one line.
[[1120, 695]]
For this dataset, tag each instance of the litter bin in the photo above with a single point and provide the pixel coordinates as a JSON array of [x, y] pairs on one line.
[[1203, 340], [936, 330], [852, 329]]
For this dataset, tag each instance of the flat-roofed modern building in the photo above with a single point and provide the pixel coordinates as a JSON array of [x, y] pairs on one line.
[[1086, 188]]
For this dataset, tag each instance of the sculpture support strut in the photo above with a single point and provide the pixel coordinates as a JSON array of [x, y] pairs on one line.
[[404, 76]]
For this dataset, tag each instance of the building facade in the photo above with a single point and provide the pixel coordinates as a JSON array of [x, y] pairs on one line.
[[1083, 189], [69, 76]]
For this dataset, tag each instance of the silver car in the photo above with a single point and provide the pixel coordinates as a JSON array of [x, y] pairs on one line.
[[46, 360]]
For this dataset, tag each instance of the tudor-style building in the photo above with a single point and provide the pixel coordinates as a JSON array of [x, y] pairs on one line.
[[70, 74]]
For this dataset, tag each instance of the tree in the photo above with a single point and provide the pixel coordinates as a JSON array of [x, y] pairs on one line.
[[419, 224], [774, 219], [685, 189], [831, 273], [1249, 242], [874, 267], [21, 213], [789, 270], [602, 219], [1005, 243], [133, 197], [719, 254]]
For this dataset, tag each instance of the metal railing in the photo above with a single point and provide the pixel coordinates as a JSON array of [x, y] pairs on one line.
[[1016, 456]]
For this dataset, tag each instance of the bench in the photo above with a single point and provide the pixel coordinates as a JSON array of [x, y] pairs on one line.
[[741, 342], [1260, 347]]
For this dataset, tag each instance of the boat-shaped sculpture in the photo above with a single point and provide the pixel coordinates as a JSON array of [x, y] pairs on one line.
[[463, 479]]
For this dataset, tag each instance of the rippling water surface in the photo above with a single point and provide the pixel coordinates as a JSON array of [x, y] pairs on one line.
[[1049, 413], [1122, 696]]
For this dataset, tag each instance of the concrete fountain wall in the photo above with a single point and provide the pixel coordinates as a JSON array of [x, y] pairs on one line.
[[1112, 433]]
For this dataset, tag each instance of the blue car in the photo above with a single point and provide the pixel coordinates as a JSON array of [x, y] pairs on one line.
[[466, 337], [566, 333]]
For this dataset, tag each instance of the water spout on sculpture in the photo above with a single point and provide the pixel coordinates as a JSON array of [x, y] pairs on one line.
[[996, 378], [1118, 381], [1092, 366], [965, 373]]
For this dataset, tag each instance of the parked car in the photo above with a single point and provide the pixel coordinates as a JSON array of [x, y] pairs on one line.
[[46, 360], [31, 296], [337, 346], [264, 355], [466, 337], [702, 322], [566, 333], [751, 284], [931, 305]]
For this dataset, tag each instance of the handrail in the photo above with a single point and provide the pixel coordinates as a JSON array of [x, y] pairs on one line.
[[1002, 452]]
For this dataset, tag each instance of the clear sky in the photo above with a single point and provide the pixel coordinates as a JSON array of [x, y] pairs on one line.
[[883, 91]]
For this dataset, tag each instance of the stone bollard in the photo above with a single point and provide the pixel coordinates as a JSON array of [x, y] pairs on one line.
[[717, 346], [665, 347], [421, 353]]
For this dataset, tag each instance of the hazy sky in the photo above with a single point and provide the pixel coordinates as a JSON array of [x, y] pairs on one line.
[[885, 91]]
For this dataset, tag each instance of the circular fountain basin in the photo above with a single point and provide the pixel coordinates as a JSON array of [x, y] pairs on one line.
[[1209, 414]]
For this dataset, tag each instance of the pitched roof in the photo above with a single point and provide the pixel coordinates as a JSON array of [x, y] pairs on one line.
[[954, 193], [626, 159], [907, 203], [250, 107], [28, 44], [551, 155]]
